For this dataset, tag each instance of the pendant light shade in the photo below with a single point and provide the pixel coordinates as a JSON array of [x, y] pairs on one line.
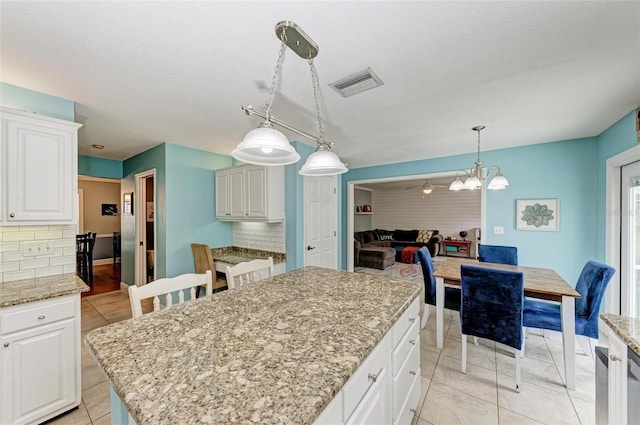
[[265, 146], [472, 183], [456, 184], [498, 182], [323, 162]]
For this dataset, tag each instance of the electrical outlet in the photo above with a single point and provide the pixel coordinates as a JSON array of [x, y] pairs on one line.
[[498, 230], [36, 248]]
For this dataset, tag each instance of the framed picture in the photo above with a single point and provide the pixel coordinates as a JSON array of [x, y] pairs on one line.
[[109, 209], [127, 203], [149, 211], [538, 214]]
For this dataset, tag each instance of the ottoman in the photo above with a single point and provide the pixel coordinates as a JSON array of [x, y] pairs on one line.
[[377, 257]]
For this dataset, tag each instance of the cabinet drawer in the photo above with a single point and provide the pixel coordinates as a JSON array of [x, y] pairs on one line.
[[403, 381], [409, 317], [26, 316], [357, 386], [410, 405], [411, 340]]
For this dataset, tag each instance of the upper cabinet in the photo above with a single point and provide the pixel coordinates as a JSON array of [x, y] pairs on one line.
[[40, 156], [250, 193]]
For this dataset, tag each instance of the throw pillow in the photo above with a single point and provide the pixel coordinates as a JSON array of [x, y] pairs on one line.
[[424, 236], [405, 235], [384, 235]]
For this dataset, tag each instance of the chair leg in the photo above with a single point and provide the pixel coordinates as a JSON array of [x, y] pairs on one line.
[[585, 344], [463, 367], [475, 340], [425, 315], [523, 343], [517, 355]]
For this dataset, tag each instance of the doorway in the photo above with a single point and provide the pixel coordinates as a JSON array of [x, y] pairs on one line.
[[320, 222], [145, 205]]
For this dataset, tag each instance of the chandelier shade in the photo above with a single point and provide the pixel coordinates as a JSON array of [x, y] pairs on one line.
[[266, 146], [323, 162]]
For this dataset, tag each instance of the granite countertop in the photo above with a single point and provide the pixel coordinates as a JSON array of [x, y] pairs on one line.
[[275, 352], [40, 288], [627, 328], [235, 255]]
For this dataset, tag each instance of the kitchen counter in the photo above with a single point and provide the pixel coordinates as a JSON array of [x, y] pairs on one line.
[[627, 328], [40, 288], [275, 352], [235, 255]]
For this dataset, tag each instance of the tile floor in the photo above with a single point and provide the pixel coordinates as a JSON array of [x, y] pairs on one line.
[[485, 395]]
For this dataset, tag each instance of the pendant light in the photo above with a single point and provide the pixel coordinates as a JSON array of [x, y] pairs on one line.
[[267, 146]]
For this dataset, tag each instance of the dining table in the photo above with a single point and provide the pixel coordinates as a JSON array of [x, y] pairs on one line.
[[539, 283]]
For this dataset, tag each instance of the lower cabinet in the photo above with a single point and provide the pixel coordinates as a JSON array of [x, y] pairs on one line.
[[40, 360], [617, 385], [385, 389]]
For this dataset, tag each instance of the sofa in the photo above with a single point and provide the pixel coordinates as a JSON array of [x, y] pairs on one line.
[[381, 248]]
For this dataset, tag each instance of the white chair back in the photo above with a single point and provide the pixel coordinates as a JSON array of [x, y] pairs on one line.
[[185, 283], [249, 272]]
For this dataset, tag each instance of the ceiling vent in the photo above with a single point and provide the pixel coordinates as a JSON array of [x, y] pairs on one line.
[[357, 83]]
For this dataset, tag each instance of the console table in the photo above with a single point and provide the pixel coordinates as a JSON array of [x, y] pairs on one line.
[[461, 247]]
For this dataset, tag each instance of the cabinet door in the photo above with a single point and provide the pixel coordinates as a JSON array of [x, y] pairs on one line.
[[41, 168], [236, 192], [617, 380], [256, 193], [38, 372], [222, 194], [374, 406]]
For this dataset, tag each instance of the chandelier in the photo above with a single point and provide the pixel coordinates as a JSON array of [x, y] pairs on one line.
[[267, 146], [476, 175]]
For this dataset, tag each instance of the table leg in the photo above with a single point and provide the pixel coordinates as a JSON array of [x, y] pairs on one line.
[[439, 311], [569, 340]]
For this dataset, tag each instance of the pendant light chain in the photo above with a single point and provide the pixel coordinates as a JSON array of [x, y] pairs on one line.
[[274, 80], [314, 83]]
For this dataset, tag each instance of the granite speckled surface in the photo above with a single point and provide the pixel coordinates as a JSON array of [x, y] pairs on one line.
[[627, 328], [40, 288], [235, 255], [273, 353]]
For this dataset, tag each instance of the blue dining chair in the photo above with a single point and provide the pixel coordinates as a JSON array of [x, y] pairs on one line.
[[452, 295], [492, 304], [498, 254], [592, 284]]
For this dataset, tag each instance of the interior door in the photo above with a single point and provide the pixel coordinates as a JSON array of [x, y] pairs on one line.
[[630, 241], [320, 222]]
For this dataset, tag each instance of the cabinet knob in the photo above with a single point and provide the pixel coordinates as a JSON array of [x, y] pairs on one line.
[[12, 215], [412, 341], [6, 344], [373, 377], [41, 317], [614, 358]]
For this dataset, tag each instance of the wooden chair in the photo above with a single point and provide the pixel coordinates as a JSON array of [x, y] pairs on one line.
[[185, 283], [249, 272], [203, 261]]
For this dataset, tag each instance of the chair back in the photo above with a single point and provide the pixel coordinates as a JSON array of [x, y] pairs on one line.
[[492, 304], [592, 284], [498, 254], [203, 261], [427, 272], [248, 272], [185, 284]]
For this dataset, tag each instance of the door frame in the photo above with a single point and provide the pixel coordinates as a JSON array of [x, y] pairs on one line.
[[351, 203], [613, 223], [335, 220], [140, 209]]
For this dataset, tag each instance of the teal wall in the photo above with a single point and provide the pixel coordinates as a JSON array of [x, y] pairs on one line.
[[190, 206], [51, 106], [99, 167]]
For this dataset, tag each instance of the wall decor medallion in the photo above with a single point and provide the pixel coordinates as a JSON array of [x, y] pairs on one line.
[[538, 214]]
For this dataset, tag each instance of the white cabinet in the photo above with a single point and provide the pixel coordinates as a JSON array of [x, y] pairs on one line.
[[250, 193], [40, 359], [617, 380], [40, 156], [385, 389]]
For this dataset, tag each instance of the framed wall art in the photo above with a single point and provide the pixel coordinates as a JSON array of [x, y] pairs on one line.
[[538, 214]]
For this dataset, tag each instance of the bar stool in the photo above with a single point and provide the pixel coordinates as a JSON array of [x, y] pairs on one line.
[[84, 255]]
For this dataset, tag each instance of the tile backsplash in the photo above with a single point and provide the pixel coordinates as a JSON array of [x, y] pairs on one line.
[[14, 265], [263, 236]]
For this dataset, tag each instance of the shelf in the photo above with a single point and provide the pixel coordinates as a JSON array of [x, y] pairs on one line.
[[364, 213]]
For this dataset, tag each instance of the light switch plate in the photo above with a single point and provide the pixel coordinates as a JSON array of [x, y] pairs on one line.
[[36, 248], [498, 230]]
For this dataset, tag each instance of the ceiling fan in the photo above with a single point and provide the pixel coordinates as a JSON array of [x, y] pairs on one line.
[[427, 187]]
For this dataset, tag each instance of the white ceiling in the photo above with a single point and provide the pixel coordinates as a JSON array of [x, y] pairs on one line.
[[142, 73]]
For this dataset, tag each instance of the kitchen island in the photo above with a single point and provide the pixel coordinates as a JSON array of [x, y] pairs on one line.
[[276, 352]]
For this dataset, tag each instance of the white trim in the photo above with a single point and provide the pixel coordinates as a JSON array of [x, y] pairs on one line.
[[99, 179], [140, 218], [351, 203], [612, 228]]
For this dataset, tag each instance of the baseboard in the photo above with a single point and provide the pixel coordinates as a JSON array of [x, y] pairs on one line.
[[124, 287], [103, 261]]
